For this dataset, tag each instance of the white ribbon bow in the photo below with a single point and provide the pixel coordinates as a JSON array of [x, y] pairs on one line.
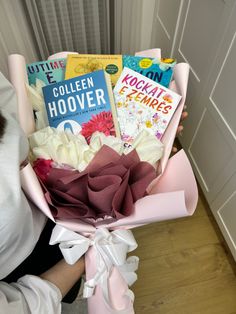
[[111, 250]]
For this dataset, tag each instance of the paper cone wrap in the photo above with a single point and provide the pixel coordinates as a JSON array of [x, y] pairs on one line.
[[172, 194]]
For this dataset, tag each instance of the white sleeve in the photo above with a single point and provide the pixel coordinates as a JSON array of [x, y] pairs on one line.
[[30, 295]]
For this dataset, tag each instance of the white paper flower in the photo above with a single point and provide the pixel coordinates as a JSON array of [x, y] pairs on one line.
[[62, 147], [98, 139], [35, 95], [73, 150], [148, 147]]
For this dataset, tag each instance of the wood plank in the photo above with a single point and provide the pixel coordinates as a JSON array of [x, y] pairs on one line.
[[160, 239], [185, 267], [181, 268], [214, 296]]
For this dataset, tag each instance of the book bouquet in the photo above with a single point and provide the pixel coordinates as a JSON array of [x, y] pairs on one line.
[[105, 127]]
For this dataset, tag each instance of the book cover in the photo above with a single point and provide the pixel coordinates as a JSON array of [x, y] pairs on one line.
[[81, 64], [141, 104], [82, 104], [49, 71], [158, 70]]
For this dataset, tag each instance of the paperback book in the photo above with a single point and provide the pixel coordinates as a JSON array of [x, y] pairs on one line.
[[158, 70], [142, 104], [49, 71], [82, 104], [85, 63]]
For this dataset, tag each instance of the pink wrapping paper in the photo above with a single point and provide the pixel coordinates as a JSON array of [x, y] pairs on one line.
[[117, 289], [164, 191], [62, 54], [150, 53]]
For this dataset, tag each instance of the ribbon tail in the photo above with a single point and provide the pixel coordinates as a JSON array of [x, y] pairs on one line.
[[128, 269]]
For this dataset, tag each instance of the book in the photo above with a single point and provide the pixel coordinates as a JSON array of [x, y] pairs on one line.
[[49, 71], [142, 104], [81, 64], [158, 70], [82, 104]]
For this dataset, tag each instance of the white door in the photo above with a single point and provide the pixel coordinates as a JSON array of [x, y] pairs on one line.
[[206, 39], [207, 43], [216, 136], [165, 25]]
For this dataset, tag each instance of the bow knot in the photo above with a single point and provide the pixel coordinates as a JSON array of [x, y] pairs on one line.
[[111, 250]]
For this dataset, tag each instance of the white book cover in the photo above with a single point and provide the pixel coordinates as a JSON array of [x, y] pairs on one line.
[[142, 103]]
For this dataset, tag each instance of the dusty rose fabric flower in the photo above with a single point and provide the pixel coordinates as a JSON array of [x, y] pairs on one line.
[[102, 122], [42, 168], [109, 186]]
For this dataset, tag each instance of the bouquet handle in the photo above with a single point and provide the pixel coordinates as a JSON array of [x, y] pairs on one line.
[[108, 271], [113, 296]]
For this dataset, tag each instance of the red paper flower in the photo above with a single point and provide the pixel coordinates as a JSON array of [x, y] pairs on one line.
[[108, 187], [102, 122], [42, 168]]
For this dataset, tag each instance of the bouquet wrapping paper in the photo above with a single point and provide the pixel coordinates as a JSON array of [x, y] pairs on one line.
[[172, 194]]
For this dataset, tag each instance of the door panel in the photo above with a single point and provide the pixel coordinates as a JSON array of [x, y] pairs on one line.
[[201, 30], [165, 22], [199, 38], [224, 211], [223, 95], [212, 154]]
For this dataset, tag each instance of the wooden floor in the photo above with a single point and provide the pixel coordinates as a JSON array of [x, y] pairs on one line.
[[185, 267]]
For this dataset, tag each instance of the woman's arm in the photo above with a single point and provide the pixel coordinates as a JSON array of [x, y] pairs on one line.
[[63, 275], [43, 294]]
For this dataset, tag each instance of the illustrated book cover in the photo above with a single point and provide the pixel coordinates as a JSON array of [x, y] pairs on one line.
[[142, 104], [158, 70], [49, 71], [81, 64], [83, 104]]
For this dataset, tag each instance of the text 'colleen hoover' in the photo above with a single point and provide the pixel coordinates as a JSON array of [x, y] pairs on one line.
[[84, 100]]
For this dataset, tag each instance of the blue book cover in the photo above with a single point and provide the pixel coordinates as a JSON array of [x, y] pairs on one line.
[[158, 70], [82, 104], [49, 71]]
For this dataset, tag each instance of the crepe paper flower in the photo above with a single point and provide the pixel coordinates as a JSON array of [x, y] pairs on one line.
[[41, 120], [72, 150], [42, 168], [35, 95], [101, 122], [61, 147], [69, 149], [148, 147], [99, 139], [108, 187]]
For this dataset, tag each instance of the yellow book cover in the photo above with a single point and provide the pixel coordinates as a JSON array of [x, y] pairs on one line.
[[81, 64]]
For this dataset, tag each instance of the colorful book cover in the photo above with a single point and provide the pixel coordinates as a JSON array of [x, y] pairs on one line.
[[49, 71], [158, 70], [82, 104], [85, 63], [142, 104]]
